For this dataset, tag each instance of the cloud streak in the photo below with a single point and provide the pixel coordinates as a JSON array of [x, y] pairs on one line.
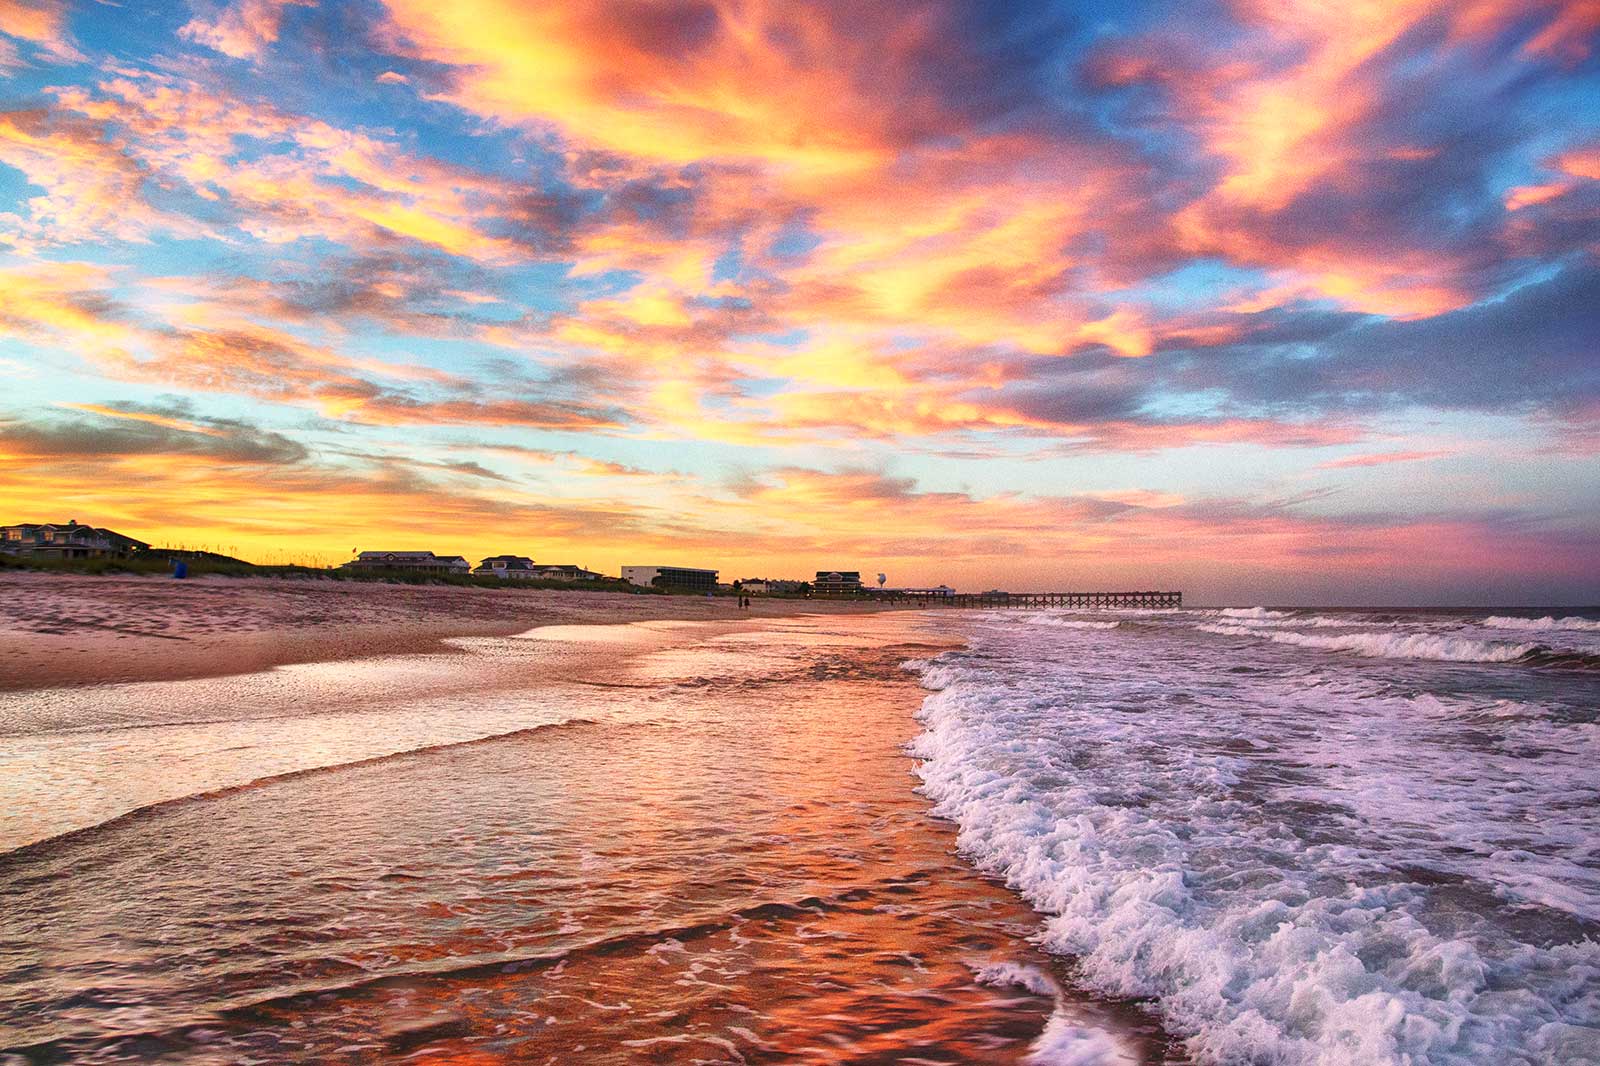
[[1181, 252]]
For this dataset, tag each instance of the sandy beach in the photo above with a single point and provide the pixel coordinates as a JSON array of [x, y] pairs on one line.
[[679, 840], [58, 629]]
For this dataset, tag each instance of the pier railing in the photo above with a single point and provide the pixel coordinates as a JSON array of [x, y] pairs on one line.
[[1035, 600], [1066, 599]]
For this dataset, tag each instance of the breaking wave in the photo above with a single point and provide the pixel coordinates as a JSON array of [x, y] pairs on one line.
[[1302, 874], [1392, 645], [1251, 612], [1067, 623], [1541, 624]]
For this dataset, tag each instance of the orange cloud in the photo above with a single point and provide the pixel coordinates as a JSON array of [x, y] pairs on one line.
[[204, 347], [1575, 166], [40, 22], [92, 189], [96, 150], [244, 29], [777, 84], [152, 418], [1298, 109]]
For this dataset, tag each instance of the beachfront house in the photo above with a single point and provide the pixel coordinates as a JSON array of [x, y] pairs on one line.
[[68, 540], [671, 577], [412, 561], [510, 567], [837, 583], [565, 572]]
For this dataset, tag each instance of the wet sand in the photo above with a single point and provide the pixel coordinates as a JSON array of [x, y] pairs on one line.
[[701, 845], [64, 629]]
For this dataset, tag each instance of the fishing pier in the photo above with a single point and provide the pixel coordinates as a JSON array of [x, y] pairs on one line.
[[1036, 600]]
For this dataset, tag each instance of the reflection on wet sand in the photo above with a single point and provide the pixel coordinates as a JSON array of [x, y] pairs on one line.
[[719, 860]]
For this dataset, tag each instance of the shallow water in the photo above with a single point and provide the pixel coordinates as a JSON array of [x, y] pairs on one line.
[[1320, 837], [707, 849], [1251, 836]]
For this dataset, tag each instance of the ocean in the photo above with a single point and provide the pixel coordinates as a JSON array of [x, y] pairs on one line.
[[1331, 837], [1079, 838]]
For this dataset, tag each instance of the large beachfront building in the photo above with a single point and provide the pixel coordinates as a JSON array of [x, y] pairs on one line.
[[837, 582], [416, 562], [671, 577], [68, 540]]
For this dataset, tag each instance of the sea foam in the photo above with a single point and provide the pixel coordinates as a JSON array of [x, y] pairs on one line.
[[1067, 623], [1396, 645], [1541, 624], [1295, 865]]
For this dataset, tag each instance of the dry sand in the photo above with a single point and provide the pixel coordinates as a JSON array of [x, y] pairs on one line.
[[61, 629]]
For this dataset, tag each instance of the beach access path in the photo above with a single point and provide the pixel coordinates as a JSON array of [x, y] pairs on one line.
[[65, 629]]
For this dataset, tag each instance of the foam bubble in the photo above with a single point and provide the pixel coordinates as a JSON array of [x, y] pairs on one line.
[[1017, 975], [1064, 1040], [1065, 1043]]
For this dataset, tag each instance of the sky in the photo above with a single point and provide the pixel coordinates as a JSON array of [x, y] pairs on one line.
[[1273, 301]]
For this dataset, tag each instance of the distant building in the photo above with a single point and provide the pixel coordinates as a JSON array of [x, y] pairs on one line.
[[68, 540], [938, 592], [770, 586], [837, 582], [506, 566], [416, 562], [671, 577], [565, 572]]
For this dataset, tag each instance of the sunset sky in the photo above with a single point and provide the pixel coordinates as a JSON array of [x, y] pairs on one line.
[[1267, 300]]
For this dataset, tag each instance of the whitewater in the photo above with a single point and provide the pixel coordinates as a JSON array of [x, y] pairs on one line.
[[1304, 837]]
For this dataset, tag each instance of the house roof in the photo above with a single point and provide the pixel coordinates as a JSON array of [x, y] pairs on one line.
[[77, 528]]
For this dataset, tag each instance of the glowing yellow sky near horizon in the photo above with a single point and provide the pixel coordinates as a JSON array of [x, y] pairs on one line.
[[1266, 295]]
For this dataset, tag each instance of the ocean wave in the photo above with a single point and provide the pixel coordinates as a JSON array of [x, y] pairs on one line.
[[1560, 659], [1544, 624], [1067, 623], [1257, 941], [1309, 621], [1251, 612], [1392, 645]]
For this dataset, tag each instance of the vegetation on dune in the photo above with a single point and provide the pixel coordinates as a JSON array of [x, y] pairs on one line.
[[157, 561]]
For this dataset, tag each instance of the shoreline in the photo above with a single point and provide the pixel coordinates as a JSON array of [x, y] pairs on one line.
[[680, 840], [67, 630]]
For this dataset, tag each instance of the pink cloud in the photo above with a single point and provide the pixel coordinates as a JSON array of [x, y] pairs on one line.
[[1381, 459]]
